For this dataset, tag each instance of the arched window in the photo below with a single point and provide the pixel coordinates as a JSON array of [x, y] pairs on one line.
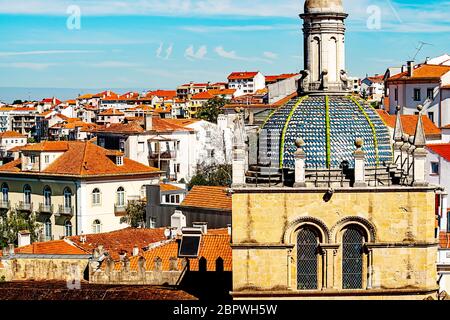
[[48, 230], [47, 196], [96, 197], [307, 259], [5, 192], [68, 228], [120, 201], [27, 194], [96, 226], [67, 198], [352, 258], [202, 265]]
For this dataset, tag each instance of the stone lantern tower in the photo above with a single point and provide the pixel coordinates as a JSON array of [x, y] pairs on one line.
[[324, 48]]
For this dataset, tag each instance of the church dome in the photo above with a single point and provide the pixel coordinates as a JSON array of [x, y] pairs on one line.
[[329, 127], [319, 6]]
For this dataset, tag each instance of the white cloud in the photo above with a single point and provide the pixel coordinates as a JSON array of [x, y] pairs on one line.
[[47, 52], [169, 51], [200, 54], [28, 65], [271, 55], [159, 50]]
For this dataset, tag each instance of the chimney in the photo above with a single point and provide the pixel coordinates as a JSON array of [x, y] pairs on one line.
[[403, 68], [178, 220], [5, 251], [410, 68], [24, 238], [148, 120], [135, 251], [201, 225], [122, 255]]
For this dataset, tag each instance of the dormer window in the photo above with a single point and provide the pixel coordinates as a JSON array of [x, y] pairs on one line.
[[119, 160]]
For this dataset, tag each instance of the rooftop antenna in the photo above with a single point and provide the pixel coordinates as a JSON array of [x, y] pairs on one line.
[[420, 47]]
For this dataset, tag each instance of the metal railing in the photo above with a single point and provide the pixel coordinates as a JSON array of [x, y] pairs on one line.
[[120, 208], [5, 204], [25, 206], [65, 210], [45, 208]]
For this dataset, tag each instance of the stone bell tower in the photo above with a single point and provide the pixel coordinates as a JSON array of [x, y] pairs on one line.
[[324, 48]]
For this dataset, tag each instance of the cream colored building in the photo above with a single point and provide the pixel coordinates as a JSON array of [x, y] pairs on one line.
[[73, 187]]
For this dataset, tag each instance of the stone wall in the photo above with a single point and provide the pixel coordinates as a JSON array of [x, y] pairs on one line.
[[21, 269], [401, 249]]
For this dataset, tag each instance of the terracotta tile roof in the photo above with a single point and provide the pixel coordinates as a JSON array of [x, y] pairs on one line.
[[7, 108], [214, 245], [182, 122], [131, 127], [423, 72], [61, 116], [216, 198], [71, 102], [85, 96], [25, 109], [11, 134], [105, 94], [46, 113], [162, 94], [57, 291], [83, 159], [242, 75], [111, 112], [222, 92], [444, 240], [205, 95], [409, 123], [446, 127], [85, 127], [169, 187], [275, 78], [58, 247], [162, 125], [121, 241], [49, 146], [50, 100], [441, 149], [376, 79], [195, 84]]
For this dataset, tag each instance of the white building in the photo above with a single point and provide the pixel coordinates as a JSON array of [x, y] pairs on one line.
[[175, 146], [373, 88], [73, 187], [426, 84], [246, 82], [5, 119], [443, 60], [8, 141]]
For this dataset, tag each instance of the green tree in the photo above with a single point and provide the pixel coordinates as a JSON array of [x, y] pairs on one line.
[[135, 216], [12, 223], [211, 110], [212, 175], [17, 102]]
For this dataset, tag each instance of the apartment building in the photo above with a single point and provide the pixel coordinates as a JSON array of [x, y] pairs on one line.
[[5, 123], [23, 120], [73, 187], [9, 140], [246, 82]]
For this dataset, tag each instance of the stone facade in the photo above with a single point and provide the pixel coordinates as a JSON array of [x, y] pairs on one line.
[[400, 248]]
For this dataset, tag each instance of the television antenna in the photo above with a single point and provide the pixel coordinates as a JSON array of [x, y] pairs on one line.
[[420, 47]]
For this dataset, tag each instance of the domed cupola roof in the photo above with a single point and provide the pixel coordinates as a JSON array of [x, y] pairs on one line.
[[329, 127], [320, 6]]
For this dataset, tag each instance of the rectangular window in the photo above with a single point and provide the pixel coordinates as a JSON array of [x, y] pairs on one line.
[[417, 95], [47, 159], [177, 199], [167, 198], [430, 93], [152, 223], [431, 116], [435, 168]]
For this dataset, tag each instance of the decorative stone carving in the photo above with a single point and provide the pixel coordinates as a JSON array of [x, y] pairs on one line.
[[325, 80]]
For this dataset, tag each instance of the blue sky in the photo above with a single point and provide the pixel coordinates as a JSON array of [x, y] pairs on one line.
[[164, 43]]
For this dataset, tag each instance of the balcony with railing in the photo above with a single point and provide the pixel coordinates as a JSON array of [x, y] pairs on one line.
[[5, 204], [64, 210], [45, 208], [25, 206], [120, 210], [163, 155]]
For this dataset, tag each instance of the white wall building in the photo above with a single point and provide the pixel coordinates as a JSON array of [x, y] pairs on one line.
[[373, 88], [246, 82], [5, 119], [426, 84]]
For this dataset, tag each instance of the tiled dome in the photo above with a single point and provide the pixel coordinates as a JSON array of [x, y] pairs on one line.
[[327, 142]]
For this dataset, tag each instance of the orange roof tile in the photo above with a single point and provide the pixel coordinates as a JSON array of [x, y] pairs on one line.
[[214, 245], [169, 187], [182, 122], [222, 92], [242, 75], [85, 96], [121, 241], [52, 248], [83, 159], [423, 72], [25, 109], [111, 112], [205, 95], [131, 127], [441, 149], [275, 78], [162, 94], [216, 198], [11, 134], [409, 123], [49, 146]]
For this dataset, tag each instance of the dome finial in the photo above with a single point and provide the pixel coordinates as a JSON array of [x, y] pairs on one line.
[[318, 6]]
